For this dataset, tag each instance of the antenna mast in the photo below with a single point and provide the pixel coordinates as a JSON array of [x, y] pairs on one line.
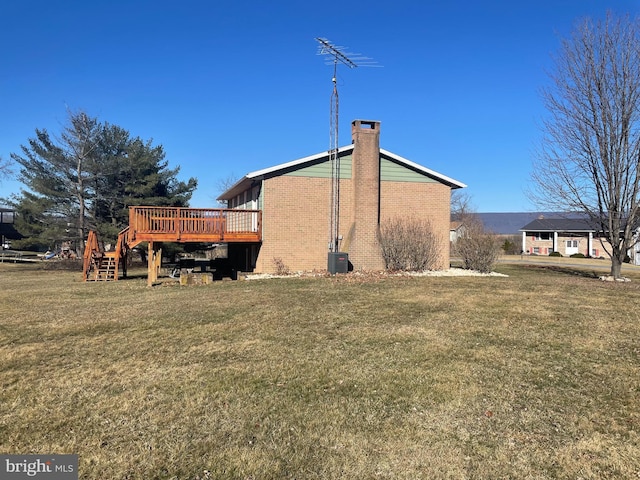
[[335, 55]]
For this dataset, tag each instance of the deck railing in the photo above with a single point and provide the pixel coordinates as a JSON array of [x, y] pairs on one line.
[[194, 224]]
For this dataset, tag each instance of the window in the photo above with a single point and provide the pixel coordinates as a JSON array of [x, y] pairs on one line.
[[6, 217], [542, 236], [572, 243], [536, 250]]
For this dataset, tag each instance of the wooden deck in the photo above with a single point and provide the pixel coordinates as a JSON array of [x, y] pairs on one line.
[[155, 225], [177, 224]]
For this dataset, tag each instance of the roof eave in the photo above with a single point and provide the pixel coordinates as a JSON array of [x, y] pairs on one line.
[[560, 230], [243, 184], [455, 184], [251, 177], [238, 187], [294, 163]]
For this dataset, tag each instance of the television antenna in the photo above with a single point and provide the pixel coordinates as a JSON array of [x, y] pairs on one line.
[[335, 55]]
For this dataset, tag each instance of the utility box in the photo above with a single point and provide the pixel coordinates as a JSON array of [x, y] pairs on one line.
[[338, 262]]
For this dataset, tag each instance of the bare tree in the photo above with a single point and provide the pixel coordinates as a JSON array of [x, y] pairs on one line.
[[589, 158], [461, 205], [224, 184], [5, 168]]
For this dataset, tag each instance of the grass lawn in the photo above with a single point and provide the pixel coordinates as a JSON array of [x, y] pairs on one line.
[[531, 376]]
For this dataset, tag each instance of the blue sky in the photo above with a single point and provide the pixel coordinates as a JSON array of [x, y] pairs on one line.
[[230, 87]]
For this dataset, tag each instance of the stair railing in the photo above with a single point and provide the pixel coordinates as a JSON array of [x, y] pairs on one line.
[[89, 249]]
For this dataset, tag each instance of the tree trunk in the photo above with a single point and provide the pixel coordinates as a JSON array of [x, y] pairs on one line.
[[616, 267]]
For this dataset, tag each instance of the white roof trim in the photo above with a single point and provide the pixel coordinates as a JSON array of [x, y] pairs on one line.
[[347, 148], [294, 163], [420, 168]]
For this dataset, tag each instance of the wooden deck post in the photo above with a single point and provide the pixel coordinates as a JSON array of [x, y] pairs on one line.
[[158, 259], [154, 261], [150, 265]]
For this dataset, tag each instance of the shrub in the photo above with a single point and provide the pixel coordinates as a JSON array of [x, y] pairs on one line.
[[511, 245], [478, 248], [409, 244], [555, 254], [577, 255], [280, 267]]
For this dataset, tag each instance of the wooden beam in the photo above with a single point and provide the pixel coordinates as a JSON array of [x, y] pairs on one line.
[[151, 262], [154, 262], [158, 260]]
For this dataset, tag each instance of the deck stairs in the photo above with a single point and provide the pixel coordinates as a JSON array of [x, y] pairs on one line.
[[102, 266], [106, 268]]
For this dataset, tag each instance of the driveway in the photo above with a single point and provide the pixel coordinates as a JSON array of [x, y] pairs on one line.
[[586, 263]]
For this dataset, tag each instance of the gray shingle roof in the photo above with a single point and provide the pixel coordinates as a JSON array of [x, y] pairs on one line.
[[514, 223], [509, 223], [559, 225]]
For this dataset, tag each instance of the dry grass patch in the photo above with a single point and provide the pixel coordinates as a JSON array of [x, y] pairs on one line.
[[531, 376]]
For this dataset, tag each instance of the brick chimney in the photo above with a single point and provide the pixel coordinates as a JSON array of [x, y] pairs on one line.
[[364, 247]]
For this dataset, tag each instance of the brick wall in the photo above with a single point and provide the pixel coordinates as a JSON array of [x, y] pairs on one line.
[[295, 223], [429, 201], [296, 211], [296, 218]]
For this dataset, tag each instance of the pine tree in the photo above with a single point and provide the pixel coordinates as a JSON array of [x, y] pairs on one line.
[[86, 179]]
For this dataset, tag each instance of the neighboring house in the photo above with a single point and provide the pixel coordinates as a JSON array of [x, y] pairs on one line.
[[567, 236], [504, 225], [635, 250], [456, 230], [8, 231], [295, 201]]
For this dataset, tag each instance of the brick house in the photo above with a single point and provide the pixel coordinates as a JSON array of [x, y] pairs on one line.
[[567, 236], [295, 201]]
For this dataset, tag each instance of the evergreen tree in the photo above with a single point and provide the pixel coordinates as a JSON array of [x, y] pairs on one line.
[[86, 179]]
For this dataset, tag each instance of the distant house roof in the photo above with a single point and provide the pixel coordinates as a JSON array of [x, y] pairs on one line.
[[559, 225], [508, 223], [513, 223], [245, 182]]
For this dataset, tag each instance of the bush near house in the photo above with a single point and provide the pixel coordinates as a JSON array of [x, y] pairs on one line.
[[478, 248], [409, 244], [280, 267]]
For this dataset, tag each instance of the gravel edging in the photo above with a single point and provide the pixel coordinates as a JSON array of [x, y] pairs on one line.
[[451, 272]]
